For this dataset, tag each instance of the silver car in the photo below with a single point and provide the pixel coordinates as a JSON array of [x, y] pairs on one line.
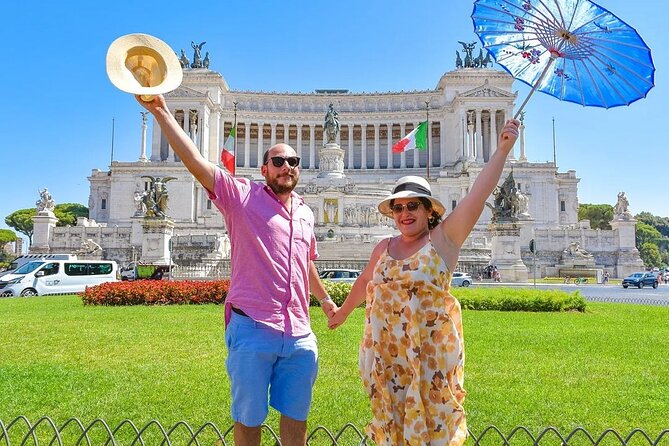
[[340, 275], [461, 279]]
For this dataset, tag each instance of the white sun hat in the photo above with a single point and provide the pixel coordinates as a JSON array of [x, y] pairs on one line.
[[411, 187], [144, 65]]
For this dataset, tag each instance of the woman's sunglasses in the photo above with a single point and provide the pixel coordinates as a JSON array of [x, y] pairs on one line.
[[277, 161], [411, 206]]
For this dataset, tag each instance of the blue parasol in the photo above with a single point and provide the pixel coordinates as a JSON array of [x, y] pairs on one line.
[[574, 50]]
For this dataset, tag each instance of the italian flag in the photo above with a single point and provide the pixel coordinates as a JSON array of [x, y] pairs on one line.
[[417, 139], [228, 151]]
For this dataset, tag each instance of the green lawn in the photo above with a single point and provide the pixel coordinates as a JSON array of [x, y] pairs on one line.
[[608, 367]]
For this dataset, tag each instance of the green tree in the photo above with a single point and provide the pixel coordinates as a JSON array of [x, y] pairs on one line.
[[600, 215], [6, 236], [659, 223], [650, 254], [646, 233], [22, 221], [67, 213]]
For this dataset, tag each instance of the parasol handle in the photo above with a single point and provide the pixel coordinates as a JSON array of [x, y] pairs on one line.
[[536, 85]]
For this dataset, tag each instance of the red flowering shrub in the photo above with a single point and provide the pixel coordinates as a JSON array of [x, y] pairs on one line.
[[157, 292]]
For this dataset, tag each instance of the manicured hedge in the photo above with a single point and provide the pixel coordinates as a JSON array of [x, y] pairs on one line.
[[163, 292], [157, 292], [518, 299], [493, 298]]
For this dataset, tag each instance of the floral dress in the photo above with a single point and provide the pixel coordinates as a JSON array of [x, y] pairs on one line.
[[412, 353]]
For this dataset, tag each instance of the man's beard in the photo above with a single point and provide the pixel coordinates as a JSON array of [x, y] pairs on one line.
[[280, 189]]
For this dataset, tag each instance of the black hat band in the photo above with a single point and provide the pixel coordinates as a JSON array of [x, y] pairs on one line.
[[413, 187]]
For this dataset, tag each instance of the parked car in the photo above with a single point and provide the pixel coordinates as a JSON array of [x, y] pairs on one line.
[[461, 279], [640, 280], [340, 275]]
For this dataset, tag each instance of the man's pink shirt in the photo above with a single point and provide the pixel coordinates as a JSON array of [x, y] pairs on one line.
[[270, 255]]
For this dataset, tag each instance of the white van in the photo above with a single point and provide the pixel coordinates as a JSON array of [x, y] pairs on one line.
[[23, 259], [40, 278]]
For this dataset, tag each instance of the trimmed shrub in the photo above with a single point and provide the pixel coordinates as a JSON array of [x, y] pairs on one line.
[[518, 299], [163, 292], [491, 298], [157, 292]]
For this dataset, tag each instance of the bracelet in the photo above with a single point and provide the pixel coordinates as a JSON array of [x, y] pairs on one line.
[[326, 298]]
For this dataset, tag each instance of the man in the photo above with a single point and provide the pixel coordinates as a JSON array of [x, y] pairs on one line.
[[268, 334]]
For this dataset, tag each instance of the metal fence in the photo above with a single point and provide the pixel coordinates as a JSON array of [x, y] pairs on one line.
[[220, 269], [45, 431]]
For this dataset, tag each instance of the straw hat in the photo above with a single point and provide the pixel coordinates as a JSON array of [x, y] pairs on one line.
[[411, 187], [144, 65]]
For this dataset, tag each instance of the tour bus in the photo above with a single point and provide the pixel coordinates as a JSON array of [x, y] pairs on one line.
[[43, 277]]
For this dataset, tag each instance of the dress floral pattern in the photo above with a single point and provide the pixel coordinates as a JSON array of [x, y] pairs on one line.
[[412, 353]]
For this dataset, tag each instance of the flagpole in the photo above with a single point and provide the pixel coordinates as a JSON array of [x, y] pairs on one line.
[[111, 158], [554, 155], [427, 138], [234, 141]]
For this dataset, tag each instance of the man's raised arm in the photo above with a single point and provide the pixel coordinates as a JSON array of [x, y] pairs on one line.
[[201, 168]]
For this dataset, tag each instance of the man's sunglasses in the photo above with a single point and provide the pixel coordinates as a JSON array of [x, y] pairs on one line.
[[278, 161], [411, 206]]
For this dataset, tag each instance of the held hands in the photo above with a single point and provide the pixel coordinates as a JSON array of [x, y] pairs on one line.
[[338, 317], [329, 308]]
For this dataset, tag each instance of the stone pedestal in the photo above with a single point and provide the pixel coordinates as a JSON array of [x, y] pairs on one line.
[[331, 161], [628, 260], [156, 239], [43, 224], [506, 252]]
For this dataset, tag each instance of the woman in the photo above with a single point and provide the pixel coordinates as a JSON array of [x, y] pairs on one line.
[[412, 351]]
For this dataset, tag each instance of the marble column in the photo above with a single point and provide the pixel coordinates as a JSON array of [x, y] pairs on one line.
[[273, 136], [462, 135], [350, 146], [470, 127], [508, 114], [403, 155], [377, 145], [389, 158], [298, 149], [286, 134], [363, 144], [416, 152], [312, 146], [521, 136], [485, 135], [261, 142], [142, 153], [479, 138], [430, 146], [493, 132], [247, 144]]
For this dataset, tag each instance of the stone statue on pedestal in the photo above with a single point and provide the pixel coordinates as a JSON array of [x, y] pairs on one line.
[[506, 204], [197, 54], [183, 59], [621, 209], [574, 251], [331, 125], [155, 199], [45, 202], [89, 247]]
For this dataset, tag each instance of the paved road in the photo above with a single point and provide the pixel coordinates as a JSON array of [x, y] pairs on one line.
[[607, 293]]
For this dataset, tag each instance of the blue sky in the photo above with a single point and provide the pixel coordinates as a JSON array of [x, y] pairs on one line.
[[58, 104]]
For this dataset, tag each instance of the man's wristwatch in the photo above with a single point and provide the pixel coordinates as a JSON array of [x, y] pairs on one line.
[[325, 299]]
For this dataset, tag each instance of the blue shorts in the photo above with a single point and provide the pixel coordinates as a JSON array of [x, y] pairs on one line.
[[261, 358]]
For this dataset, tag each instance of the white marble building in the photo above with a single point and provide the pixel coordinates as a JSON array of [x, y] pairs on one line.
[[466, 111]]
